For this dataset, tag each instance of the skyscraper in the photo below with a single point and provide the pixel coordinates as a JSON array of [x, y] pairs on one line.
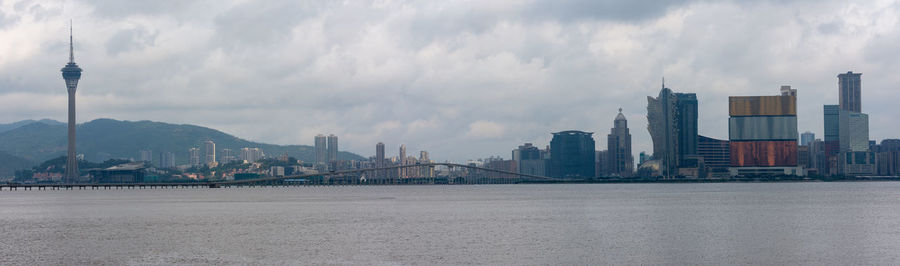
[[71, 73], [210, 149], [379, 159], [166, 160], [195, 156], [686, 122], [619, 159], [672, 123], [572, 154], [379, 154], [850, 91], [787, 91], [831, 143], [762, 134], [227, 156], [855, 158], [806, 138], [251, 154], [332, 148], [321, 149], [528, 160], [147, 156], [402, 161]]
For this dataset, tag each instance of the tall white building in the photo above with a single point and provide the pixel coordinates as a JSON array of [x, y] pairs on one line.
[[195, 156], [251, 154], [166, 160], [147, 156], [210, 149]]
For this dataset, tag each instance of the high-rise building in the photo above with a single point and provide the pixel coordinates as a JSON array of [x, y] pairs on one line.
[[529, 161], [572, 154], [147, 156], [854, 131], [850, 91], [251, 154], [672, 123], [762, 134], [332, 148], [831, 143], [195, 156], [817, 159], [209, 148], [379, 155], [403, 161], [321, 149], [71, 73], [855, 157], [402, 154], [619, 160], [787, 91], [686, 122], [380, 160], [166, 160], [716, 155], [601, 162], [888, 155], [228, 156], [806, 138]]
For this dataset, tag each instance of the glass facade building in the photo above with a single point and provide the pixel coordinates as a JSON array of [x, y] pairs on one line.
[[672, 123], [850, 91], [763, 135], [572, 154]]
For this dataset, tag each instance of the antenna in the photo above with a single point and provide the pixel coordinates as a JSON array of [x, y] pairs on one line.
[[663, 82], [71, 46]]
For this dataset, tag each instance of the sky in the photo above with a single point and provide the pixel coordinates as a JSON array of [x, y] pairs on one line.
[[460, 79]]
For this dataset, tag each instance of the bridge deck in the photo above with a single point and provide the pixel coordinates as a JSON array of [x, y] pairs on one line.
[[345, 177]]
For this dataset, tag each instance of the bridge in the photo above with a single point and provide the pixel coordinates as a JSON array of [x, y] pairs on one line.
[[392, 175]]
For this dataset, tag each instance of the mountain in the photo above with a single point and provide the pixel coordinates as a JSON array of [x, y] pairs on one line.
[[10, 163], [14, 125], [104, 139]]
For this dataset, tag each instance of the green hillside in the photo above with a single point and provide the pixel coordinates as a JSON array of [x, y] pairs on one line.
[[104, 139], [10, 163]]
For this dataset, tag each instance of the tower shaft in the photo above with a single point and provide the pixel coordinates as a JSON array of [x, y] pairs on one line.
[[71, 160]]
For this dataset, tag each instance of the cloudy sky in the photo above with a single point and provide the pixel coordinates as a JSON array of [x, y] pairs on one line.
[[460, 79]]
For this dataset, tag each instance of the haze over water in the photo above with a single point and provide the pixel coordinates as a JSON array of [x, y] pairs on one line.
[[770, 223]]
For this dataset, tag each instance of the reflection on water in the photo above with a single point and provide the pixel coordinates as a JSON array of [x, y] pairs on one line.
[[776, 223]]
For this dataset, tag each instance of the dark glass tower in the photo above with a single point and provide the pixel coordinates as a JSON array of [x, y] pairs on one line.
[[71, 73], [850, 89], [572, 154]]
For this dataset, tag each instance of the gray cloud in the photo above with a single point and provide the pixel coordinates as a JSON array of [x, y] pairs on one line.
[[461, 80], [577, 10], [130, 40]]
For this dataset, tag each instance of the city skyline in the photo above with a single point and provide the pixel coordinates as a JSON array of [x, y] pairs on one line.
[[513, 94]]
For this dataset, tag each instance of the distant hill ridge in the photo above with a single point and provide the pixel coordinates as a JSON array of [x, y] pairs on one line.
[[104, 139], [14, 125]]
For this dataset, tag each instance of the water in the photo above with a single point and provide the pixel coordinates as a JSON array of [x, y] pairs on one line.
[[773, 223]]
